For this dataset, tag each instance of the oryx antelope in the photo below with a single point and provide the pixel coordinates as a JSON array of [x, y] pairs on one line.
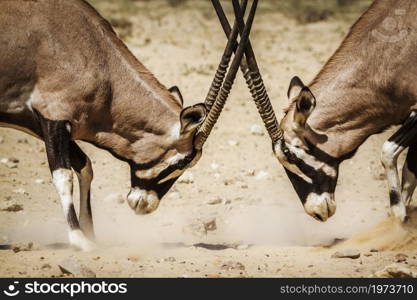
[[367, 86], [66, 76]]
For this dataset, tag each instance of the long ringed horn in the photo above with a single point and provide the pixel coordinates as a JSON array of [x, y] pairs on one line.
[[253, 77], [224, 63], [218, 105]]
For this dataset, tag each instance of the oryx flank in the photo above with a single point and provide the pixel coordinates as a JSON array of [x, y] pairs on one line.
[[367, 86], [66, 76]]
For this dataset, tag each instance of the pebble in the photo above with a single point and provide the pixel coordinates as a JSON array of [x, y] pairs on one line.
[[210, 225], [186, 178], [351, 253], [13, 208], [11, 163], [232, 143], [401, 257], [215, 201], [262, 175], [20, 191], [215, 166], [233, 265], [75, 267], [256, 129], [395, 271], [40, 181]]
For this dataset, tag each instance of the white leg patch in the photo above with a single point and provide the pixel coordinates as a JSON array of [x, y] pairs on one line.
[[62, 179]]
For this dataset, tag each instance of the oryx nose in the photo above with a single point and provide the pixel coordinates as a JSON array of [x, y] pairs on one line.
[[320, 207]]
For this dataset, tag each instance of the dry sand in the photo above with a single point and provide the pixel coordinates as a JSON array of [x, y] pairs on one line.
[[261, 228]]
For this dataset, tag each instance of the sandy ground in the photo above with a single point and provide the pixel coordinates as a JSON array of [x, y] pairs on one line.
[[261, 228]]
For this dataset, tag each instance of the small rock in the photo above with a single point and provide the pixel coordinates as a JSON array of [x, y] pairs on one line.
[[210, 225], [401, 257], [186, 178], [46, 267], [20, 191], [232, 143], [40, 181], [215, 201], [374, 250], [351, 253], [13, 208], [262, 175], [75, 267], [11, 163], [215, 166], [367, 254], [256, 130], [395, 271], [228, 181], [22, 247], [233, 265], [115, 197], [250, 172]]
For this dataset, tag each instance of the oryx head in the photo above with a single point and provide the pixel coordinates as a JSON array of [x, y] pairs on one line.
[[312, 172], [171, 154]]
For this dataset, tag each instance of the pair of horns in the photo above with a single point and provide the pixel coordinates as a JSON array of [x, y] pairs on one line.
[[222, 82], [253, 78]]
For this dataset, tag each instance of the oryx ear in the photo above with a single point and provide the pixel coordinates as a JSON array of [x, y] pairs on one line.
[[175, 91], [296, 85], [306, 102], [191, 117]]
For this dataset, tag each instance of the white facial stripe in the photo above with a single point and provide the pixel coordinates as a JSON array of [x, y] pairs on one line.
[[175, 131], [155, 171], [307, 159], [176, 173], [289, 166], [312, 161]]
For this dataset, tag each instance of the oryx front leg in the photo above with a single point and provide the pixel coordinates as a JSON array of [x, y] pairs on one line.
[[81, 164], [409, 175], [391, 149], [57, 140]]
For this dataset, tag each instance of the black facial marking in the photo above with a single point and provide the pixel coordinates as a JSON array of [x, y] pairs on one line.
[[153, 184], [394, 198]]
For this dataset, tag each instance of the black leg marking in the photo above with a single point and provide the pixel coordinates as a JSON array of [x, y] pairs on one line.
[[392, 148], [56, 135], [394, 198]]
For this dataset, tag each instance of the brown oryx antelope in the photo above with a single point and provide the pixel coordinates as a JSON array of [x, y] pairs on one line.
[[367, 86], [66, 76]]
